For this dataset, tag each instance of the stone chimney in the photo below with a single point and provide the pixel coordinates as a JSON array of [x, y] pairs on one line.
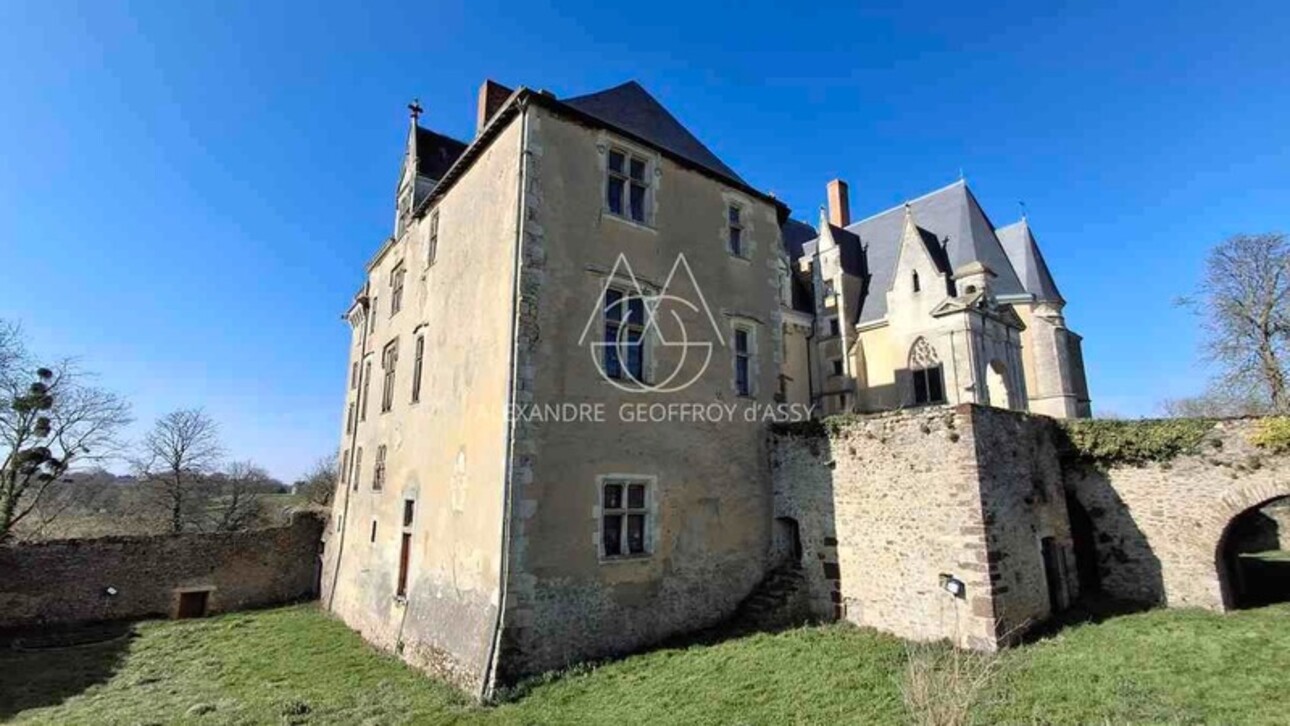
[[491, 97], [839, 204]]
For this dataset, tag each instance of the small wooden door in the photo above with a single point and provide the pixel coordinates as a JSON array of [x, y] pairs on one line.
[[192, 604]]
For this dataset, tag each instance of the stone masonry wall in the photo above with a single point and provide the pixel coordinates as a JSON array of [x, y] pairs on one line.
[[66, 581], [1158, 526], [891, 503]]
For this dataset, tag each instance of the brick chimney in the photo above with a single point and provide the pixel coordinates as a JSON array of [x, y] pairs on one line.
[[491, 97], [839, 204]]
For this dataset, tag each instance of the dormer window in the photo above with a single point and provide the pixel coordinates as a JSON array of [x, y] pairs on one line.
[[627, 186], [917, 286]]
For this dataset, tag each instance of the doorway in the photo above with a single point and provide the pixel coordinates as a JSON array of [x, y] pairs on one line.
[[192, 604]]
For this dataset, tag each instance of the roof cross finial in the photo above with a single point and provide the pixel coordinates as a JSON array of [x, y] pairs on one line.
[[415, 109], [1024, 215]]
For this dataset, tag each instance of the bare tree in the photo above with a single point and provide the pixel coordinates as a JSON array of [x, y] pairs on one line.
[[234, 497], [319, 483], [1244, 301], [50, 421], [177, 454]]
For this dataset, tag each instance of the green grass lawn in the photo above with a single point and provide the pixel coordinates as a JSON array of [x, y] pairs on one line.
[[296, 665]]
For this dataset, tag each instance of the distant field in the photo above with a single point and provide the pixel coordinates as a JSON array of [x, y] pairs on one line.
[[296, 665]]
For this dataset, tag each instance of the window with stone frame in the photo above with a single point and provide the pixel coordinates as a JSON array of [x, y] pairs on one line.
[[835, 328], [927, 374], [432, 237], [349, 418], [353, 376], [624, 518], [366, 390], [627, 185], [371, 320], [624, 349], [396, 289], [418, 362], [835, 366], [389, 362], [344, 467], [743, 361], [378, 471], [358, 468], [735, 228]]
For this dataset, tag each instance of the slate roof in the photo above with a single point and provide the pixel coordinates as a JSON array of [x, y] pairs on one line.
[[1023, 251], [436, 153], [949, 218], [632, 109]]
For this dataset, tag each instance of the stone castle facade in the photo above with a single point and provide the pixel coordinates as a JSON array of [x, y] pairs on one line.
[[565, 360]]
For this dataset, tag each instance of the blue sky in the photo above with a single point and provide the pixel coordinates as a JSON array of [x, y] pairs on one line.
[[190, 190]]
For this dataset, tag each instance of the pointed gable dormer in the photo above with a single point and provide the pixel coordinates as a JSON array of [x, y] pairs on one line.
[[920, 267], [405, 192]]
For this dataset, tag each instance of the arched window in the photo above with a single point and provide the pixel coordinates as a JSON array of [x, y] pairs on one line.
[[996, 381], [927, 373], [917, 286]]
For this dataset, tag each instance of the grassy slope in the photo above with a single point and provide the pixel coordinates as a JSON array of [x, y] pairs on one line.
[[295, 665]]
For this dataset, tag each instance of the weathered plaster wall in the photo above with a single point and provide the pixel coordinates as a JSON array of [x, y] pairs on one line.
[[893, 501], [710, 494], [66, 581], [446, 453], [1158, 526]]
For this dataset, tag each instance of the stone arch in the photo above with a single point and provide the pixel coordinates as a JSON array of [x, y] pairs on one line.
[[1233, 508], [996, 383], [925, 375]]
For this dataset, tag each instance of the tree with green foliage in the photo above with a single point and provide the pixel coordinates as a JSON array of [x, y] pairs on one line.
[[50, 421], [1244, 303]]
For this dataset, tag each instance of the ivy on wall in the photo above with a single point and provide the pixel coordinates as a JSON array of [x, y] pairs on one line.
[[1109, 442]]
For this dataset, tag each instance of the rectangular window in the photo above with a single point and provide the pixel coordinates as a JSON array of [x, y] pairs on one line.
[[837, 366], [624, 331], [929, 386], [344, 466], [417, 362], [349, 419], [396, 289], [405, 550], [367, 389], [834, 329], [371, 320], [432, 238], [736, 231], [358, 468], [627, 185], [409, 509], [378, 472], [353, 376], [743, 359], [389, 361], [624, 519]]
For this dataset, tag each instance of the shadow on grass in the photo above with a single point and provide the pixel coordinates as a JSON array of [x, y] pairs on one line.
[[1085, 611], [45, 667]]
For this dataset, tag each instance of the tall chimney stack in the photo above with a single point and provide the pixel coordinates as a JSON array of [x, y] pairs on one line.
[[839, 203], [491, 97]]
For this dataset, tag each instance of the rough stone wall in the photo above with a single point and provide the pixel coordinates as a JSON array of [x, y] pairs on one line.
[[893, 501], [445, 453], [66, 581], [1022, 497], [709, 522], [1158, 526]]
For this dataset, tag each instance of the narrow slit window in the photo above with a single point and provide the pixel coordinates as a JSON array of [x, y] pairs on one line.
[[736, 228], [743, 361], [405, 551], [418, 361]]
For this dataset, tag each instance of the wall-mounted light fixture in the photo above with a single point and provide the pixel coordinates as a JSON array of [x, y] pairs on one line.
[[953, 585]]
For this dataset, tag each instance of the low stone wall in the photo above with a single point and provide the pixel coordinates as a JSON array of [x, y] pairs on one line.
[[1158, 526], [68, 581], [888, 505]]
